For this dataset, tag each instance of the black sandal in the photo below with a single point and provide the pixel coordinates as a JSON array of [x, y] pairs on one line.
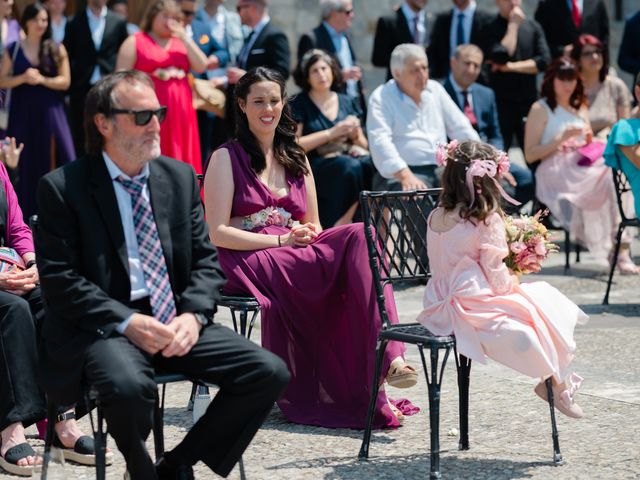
[[9, 462], [83, 451]]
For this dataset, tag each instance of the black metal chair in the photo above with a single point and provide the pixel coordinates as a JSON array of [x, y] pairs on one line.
[[622, 188], [395, 228]]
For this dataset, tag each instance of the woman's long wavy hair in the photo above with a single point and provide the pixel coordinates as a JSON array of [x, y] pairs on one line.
[[286, 150], [49, 54], [454, 182], [563, 68]]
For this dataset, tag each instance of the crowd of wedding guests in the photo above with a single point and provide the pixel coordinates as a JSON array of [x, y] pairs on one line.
[[213, 96]]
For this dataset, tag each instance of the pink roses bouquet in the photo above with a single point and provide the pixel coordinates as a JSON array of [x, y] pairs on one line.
[[528, 242]]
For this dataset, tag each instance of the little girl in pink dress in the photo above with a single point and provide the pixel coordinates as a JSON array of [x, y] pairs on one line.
[[528, 327]]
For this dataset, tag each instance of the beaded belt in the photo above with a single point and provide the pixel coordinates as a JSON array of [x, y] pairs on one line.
[[268, 216], [169, 73]]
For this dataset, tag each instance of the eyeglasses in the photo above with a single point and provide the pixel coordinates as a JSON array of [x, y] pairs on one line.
[[347, 11], [239, 8], [591, 53], [188, 13], [143, 117]]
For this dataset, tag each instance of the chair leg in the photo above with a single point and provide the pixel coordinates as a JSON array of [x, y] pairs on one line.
[[557, 456], [567, 250], [614, 262], [52, 411], [243, 322], [158, 424], [192, 396], [578, 249], [375, 387], [252, 322], [463, 365], [100, 442], [433, 385], [243, 475]]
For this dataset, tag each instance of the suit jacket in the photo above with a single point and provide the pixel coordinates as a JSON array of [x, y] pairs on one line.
[[629, 53], [83, 264], [209, 46], [233, 34], [391, 31], [319, 38], [439, 50], [555, 18], [485, 110], [271, 50], [83, 56]]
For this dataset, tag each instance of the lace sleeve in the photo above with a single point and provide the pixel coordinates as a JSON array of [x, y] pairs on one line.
[[493, 249]]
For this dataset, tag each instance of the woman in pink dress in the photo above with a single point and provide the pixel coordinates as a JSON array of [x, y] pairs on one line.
[[164, 51], [315, 287], [580, 196], [527, 327]]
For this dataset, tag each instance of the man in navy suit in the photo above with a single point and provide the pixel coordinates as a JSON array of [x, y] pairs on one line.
[[331, 36], [478, 103], [629, 54]]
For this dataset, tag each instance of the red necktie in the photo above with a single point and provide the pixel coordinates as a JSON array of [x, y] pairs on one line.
[[575, 13], [468, 111]]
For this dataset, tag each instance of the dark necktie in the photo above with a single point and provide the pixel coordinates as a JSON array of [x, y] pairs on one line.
[[153, 263], [468, 110], [244, 53], [460, 33], [575, 13], [416, 33]]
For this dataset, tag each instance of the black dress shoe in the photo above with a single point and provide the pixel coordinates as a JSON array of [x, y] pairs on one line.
[[166, 471]]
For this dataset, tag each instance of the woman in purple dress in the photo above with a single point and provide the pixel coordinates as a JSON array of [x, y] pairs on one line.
[[315, 287], [9, 33], [36, 118]]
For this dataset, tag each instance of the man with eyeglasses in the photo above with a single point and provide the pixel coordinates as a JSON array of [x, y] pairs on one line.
[[131, 282], [331, 36]]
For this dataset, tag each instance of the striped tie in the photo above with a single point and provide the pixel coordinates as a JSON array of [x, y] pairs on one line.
[[153, 264]]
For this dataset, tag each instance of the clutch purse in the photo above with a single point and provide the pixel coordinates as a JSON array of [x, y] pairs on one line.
[[590, 152], [9, 259]]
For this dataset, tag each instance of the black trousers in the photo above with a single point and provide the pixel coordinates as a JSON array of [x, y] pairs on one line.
[[511, 116], [21, 399], [250, 378]]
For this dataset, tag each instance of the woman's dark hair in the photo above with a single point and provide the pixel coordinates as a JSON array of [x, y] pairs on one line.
[[584, 40], [454, 182], [563, 68], [49, 54], [101, 99], [285, 147], [308, 60]]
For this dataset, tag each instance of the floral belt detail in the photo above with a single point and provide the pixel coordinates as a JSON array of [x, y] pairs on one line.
[[165, 74], [268, 216]]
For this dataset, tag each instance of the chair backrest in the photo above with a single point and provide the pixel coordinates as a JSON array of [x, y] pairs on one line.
[[623, 189], [395, 229]]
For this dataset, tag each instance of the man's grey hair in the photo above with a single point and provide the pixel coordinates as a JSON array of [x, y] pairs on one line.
[[327, 7], [403, 53]]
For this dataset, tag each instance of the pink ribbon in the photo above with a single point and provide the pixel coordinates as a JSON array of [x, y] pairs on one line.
[[480, 168]]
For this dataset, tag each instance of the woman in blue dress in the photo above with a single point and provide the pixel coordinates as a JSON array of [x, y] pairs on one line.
[[37, 74], [330, 132]]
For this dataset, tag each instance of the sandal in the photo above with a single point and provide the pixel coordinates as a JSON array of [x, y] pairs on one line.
[[402, 376], [83, 451], [9, 462], [625, 264]]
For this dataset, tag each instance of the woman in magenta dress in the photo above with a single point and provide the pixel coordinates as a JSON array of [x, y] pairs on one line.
[[164, 51], [527, 327], [36, 115], [315, 287]]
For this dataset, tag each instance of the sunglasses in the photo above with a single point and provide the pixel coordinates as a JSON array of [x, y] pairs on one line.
[[239, 8], [187, 13], [142, 117], [591, 53], [348, 11]]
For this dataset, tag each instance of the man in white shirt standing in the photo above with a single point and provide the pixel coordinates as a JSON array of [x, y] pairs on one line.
[[408, 118], [57, 18]]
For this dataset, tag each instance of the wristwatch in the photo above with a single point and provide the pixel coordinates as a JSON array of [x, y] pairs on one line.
[[202, 318]]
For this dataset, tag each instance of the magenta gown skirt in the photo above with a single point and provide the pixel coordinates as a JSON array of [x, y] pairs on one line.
[[318, 304]]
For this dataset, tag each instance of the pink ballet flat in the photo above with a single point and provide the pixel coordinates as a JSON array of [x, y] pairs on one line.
[[563, 395]]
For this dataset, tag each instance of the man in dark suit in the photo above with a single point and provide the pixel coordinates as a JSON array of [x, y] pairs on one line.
[[563, 21], [331, 36], [629, 54], [478, 103], [460, 25], [409, 24], [92, 39], [130, 282]]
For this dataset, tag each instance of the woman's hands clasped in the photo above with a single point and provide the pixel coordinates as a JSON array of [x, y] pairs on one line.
[[300, 235], [18, 281]]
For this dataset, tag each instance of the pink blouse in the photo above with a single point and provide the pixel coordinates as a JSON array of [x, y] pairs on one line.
[[17, 234]]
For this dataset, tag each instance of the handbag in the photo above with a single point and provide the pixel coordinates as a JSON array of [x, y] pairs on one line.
[[207, 97], [590, 153], [4, 110], [10, 259]]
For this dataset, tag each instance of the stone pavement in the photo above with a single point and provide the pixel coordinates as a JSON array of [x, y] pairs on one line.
[[509, 426]]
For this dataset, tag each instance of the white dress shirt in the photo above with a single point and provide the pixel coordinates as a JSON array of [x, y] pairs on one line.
[[468, 22], [402, 133], [57, 29], [410, 15], [96, 27], [139, 287], [343, 52]]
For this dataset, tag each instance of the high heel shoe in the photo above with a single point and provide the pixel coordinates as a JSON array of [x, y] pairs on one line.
[[563, 395]]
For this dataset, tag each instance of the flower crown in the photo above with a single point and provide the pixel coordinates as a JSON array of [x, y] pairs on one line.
[[478, 167]]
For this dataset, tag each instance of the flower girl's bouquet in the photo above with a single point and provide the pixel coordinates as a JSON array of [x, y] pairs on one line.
[[529, 243]]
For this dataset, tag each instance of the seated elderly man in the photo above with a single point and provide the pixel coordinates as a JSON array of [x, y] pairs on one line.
[[408, 117]]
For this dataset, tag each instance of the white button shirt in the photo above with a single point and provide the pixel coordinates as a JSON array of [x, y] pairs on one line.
[[96, 26], [402, 133]]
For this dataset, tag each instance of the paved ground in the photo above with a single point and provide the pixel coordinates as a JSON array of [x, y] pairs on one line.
[[509, 425]]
